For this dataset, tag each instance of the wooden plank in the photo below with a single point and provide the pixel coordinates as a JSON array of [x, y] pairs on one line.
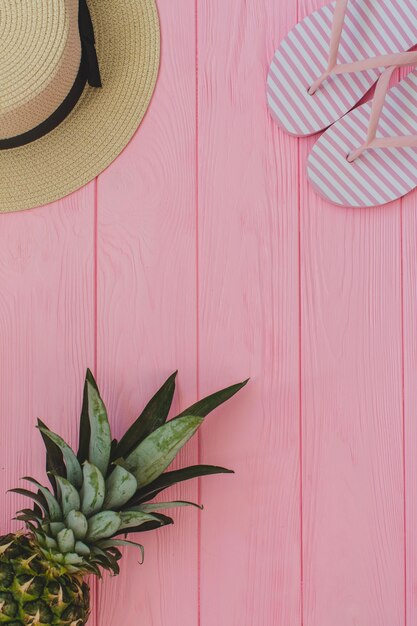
[[248, 293], [409, 303], [46, 333], [352, 410], [147, 312]]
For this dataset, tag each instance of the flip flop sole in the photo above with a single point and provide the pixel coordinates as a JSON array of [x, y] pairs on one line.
[[379, 175], [371, 28]]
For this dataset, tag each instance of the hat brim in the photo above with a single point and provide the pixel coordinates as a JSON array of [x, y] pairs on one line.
[[103, 121]]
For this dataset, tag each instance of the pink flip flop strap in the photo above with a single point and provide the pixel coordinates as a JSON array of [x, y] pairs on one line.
[[397, 141], [386, 60], [335, 37]]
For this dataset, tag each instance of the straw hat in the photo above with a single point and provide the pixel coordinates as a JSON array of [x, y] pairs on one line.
[[75, 82]]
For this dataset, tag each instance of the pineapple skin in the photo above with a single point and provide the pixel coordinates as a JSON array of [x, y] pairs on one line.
[[33, 592]]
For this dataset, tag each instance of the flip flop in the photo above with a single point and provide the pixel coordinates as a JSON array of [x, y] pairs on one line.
[[369, 157], [310, 82]]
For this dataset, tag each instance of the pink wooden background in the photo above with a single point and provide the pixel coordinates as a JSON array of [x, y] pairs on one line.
[[202, 248]]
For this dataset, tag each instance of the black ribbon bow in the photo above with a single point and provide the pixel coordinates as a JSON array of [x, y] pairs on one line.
[[88, 45]]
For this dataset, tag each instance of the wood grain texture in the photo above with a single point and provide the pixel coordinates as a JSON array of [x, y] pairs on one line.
[[409, 304], [353, 505], [203, 248], [46, 333], [147, 314], [248, 322]]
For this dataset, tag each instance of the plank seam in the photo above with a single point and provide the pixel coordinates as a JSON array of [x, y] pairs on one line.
[[300, 399], [95, 274], [95, 348], [197, 277], [403, 410]]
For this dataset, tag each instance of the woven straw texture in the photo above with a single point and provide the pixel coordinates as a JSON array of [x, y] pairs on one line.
[[103, 121], [40, 53]]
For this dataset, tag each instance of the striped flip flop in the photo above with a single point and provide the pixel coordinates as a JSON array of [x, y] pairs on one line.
[[310, 82], [369, 157]]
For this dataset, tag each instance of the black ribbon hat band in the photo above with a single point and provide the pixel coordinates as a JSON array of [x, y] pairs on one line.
[[88, 45], [89, 72]]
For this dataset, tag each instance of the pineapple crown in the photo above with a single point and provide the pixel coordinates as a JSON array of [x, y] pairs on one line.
[[101, 494]]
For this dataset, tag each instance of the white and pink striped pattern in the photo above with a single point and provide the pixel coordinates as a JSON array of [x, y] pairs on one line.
[[379, 175], [371, 28]]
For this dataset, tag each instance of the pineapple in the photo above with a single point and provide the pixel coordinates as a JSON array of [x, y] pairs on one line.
[[98, 496]]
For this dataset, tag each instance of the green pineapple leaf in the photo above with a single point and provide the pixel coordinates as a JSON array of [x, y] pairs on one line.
[[110, 543], [113, 447], [132, 519], [54, 457], [37, 497], [66, 540], [100, 437], [103, 525], [161, 520], [152, 417], [30, 514], [78, 523], [93, 489], [168, 479], [82, 548], [55, 513], [121, 485], [27, 515], [73, 468], [68, 495], [106, 559], [85, 428], [153, 455], [159, 506], [93, 568], [34, 529], [206, 405], [55, 528], [37, 509]]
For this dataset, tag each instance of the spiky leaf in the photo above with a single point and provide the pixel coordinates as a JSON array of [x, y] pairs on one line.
[[78, 523], [206, 405], [93, 489], [73, 468], [66, 540], [159, 449], [56, 527], [31, 515], [51, 543], [37, 497], [106, 559], [54, 457], [160, 520], [22, 517], [172, 478], [110, 543], [72, 558], [68, 495], [85, 428], [93, 569], [131, 519], [152, 417], [159, 506], [55, 513], [82, 548], [121, 485], [100, 438], [103, 525]]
